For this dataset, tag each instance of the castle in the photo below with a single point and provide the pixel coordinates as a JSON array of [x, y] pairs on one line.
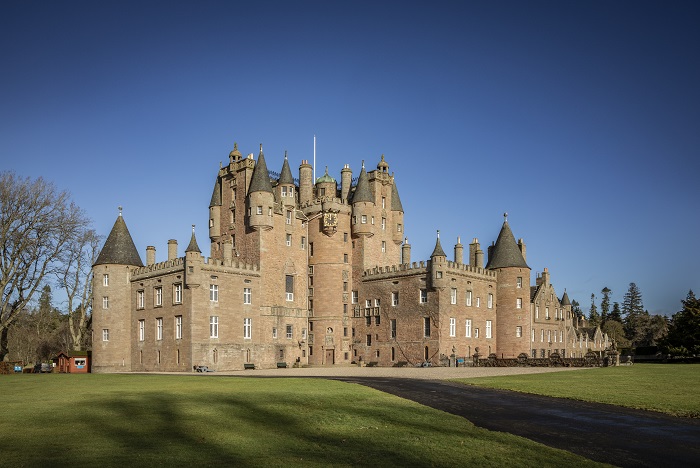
[[305, 272]]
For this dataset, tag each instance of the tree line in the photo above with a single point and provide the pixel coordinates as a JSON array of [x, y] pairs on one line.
[[630, 325], [45, 240]]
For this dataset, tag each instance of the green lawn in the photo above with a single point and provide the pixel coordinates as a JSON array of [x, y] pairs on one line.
[[145, 420], [668, 388]]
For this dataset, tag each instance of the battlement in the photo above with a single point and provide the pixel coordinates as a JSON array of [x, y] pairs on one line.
[[318, 201], [229, 266], [168, 266], [422, 267], [178, 264]]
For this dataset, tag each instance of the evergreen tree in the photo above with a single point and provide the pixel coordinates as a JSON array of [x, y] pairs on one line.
[[576, 309], [684, 331], [593, 316], [636, 320], [616, 314], [605, 305]]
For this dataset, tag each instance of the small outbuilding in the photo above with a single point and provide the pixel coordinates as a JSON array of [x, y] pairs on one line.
[[73, 362]]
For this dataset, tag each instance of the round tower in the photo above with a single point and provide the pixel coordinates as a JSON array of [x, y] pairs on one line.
[[396, 213], [306, 174], [285, 185], [345, 182], [261, 198], [362, 206]]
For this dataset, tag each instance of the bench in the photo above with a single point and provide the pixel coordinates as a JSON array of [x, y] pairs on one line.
[[372, 364], [401, 364], [281, 365], [249, 366]]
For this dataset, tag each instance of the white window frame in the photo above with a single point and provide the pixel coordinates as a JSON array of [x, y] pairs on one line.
[[289, 332], [363, 219], [468, 328], [105, 334], [213, 326], [213, 293], [453, 326], [423, 296], [489, 301], [488, 329], [247, 328], [105, 302], [453, 296], [247, 296], [355, 296], [518, 331], [159, 296], [519, 282], [394, 298], [159, 328], [178, 327], [140, 299], [469, 298], [478, 301], [105, 280], [519, 303], [178, 294], [288, 219], [142, 330], [289, 240], [383, 246], [258, 209]]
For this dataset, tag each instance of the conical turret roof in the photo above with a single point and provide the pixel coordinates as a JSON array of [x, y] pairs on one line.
[[216, 194], [260, 181], [192, 246], [438, 251], [565, 299], [506, 252], [362, 192], [395, 200], [119, 248], [286, 174]]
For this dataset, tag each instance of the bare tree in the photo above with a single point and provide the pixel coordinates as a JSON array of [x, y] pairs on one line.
[[36, 223], [75, 277]]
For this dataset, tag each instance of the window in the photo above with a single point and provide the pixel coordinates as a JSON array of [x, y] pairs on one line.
[[105, 334], [213, 326], [345, 258], [284, 191], [139, 299], [478, 302], [290, 331], [398, 227], [105, 302], [247, 328], [322, 192], [468, 328], [355, 297], [142, 330], [177, 293], [274, 332], [392, 327], [489, 301], [289, 287], [488, 329], [345, 237], [423, 296], [453, 326], [303, 332], [453, 296], [247, 296], [394, 298], [469, 298], [289, 217], [311, 249], [519, 303], [214, 292], [383, 246], [178, 327], [376, 302], [532, 333], [368, 320], [372, 220], [369, 340], [541, 335], [546, 313], [383, 203], [519, 282], [561, 337], [303, 242], [518, 332], [549, 336], [159, 328], [426, 326], [289, 240], [105, 280], [383, 224], [537, 311], [377, 319], [364, 219], [159, 296], [476, 333], [258, 210], [368, 303]]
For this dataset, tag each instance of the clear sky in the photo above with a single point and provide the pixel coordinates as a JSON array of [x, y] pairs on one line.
[[581, 119]]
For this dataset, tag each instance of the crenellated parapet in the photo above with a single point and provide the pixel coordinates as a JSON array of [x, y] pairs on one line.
[[422, 267], [157, 269], [210, 264]]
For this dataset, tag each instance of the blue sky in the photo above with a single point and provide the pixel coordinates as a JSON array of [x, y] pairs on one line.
[[579, 119]]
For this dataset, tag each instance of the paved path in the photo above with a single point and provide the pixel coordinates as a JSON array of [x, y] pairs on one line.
[[606, 433]]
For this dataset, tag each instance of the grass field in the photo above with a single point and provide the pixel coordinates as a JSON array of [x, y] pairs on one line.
[[669, 388], [146, 420]]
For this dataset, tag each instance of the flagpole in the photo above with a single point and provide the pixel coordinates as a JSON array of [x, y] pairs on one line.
[[314, 159]]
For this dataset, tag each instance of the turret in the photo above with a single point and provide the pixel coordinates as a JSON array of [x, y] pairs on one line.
[[235, 155], [362, 206], [260, 196], [459, 252], [396, 213], [438, 264], [285, 185], [306, 174], [345, 182], [172, 249], [215, 211], [112, 289], [326, 186], [193, 263]]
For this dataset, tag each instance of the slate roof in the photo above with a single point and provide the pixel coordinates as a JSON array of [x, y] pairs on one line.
[[286, 174], [362, 192], [119, 248], [395, 200], [506, 252], [438, 252], [216, 194], [192, 246], [565, 300], [260, 181]]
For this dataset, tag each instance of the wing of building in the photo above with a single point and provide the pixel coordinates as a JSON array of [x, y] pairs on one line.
[[304, 272]]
